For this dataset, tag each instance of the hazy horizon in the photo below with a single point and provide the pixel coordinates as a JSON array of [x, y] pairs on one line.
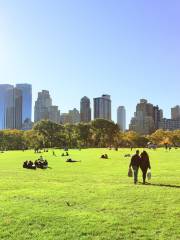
[[128, 49]]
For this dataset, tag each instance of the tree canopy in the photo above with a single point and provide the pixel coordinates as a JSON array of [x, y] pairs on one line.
[[97, 133]]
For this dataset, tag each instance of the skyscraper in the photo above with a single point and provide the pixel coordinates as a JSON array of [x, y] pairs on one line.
[[146, 118], [13, 108], [157, 116], [102, 107], [85, 109], [54, 114], [3, 92], [44, 109], [26, 100], [121, 118], [42, 104], [15, 105], [18, 108], [175, 113]]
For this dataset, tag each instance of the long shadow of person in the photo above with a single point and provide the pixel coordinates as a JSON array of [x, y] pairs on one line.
[[162, 185]]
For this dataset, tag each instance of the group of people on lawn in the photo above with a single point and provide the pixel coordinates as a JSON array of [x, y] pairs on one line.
[[140, 161], [39, 163]]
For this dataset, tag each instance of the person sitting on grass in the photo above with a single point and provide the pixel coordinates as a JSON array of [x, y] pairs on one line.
[[144, 164], [105, 156], [45, 164], [135, 162], [25, 164], [63, 154], [29, 165]]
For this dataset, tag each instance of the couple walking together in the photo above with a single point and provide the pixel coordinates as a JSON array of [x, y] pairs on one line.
[[141, 161]]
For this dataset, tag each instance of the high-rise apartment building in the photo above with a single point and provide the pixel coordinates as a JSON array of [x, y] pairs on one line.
[[85, 109], [54, 114], [157, 116], [175, 113], [26, 100], [146, 118], [74, 116], [169, 124], [44, 109], [121, 118], [102, 107]]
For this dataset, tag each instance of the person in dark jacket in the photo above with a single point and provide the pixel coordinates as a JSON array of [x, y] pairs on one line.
[[135, 161], [144, 164]]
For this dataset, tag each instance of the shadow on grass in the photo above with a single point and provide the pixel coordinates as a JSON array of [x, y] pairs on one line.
[[162, 185]]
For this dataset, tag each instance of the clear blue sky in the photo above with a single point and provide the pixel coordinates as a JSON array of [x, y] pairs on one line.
[[129, 49]]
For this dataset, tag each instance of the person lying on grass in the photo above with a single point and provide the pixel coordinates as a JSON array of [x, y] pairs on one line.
[[70, 160]]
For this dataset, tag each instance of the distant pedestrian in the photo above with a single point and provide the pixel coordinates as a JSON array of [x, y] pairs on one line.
[[135, 161], [144, 165]]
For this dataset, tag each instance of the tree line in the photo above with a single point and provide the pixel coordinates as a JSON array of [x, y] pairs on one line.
[[97, 133]]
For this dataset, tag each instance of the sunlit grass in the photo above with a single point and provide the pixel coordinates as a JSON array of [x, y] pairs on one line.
[[91, 199]]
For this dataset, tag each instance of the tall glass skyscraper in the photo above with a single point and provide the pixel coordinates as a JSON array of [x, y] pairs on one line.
[[121, 118], [85, 109], [4, 88], [13, 105], [26, 90], [102, 107]]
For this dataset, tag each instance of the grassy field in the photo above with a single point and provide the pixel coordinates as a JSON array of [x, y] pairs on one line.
[[91, 199]]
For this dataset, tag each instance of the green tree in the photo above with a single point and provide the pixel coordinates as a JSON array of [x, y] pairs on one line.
[[84, 134], [50, 131]]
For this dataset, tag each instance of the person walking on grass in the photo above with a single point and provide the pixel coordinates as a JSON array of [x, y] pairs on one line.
[[135, 162], [144, 165]]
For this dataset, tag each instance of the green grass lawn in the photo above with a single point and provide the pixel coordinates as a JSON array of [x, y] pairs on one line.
[[91, 199]]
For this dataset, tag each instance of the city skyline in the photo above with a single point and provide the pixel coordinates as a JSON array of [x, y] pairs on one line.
[[127, 49], [28, 87], [16, 104]]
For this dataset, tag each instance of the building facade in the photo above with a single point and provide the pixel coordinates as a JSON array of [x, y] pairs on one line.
[[175, 113], [26, 90], [13, 109], [85, 109], [102, 107], [121, 118], [169, 124], [3, 97], [74, 116], [146, 118], [44, 110]]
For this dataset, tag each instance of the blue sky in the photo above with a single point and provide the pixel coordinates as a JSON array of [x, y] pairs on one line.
[[126, 48]]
